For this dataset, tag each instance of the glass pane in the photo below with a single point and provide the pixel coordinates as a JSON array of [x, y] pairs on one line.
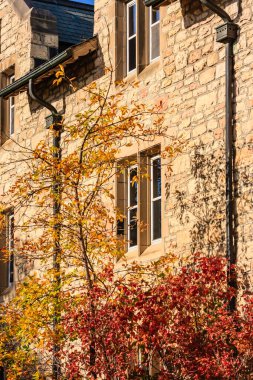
[[131, 20], [12, 121], [133, 191], [155, 16], [11, 269], [156, 178], [120, 227], [156, 222], [132, 54], [133, 227], [155, 41], [11, 231]]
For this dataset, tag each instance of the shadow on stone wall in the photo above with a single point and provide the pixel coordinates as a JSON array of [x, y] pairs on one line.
[[193, 11], [202, 207], [244, 197]]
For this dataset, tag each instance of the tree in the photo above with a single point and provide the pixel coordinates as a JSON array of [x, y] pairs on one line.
[[107, 318], [86, 224]]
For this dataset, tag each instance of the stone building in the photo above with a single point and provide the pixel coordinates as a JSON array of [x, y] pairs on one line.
[[180, 62], [174, 53], [182, 53], [35, 37]]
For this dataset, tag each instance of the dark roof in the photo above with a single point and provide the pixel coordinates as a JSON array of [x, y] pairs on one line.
[[74, 20]]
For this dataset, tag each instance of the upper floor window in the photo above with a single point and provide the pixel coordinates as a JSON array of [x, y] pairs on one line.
[[11, 108], [8, 107], [154, 33], [131, 36], [137, 37]]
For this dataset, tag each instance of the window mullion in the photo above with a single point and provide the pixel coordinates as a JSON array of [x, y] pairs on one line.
[[142, 36]]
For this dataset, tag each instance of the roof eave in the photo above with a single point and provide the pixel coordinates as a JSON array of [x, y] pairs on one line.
[[73, 52]]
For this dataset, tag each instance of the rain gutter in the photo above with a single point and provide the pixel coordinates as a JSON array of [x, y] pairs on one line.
[[36, 73]]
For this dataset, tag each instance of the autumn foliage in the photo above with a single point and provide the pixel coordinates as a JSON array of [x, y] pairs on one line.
[[163, 320], [163, 325]]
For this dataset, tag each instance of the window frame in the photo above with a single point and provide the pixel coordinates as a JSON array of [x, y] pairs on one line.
[[11, 108], [128, 5], [142, 35], [143, 163], [151, 26], [152, 200], [130, 208], [7, 107]]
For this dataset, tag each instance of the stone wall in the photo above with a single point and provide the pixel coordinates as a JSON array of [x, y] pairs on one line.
[[189, 82], [189, 79], [15, 40], [27, 35]]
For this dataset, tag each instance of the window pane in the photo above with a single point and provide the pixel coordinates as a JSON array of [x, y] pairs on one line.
[[155, 41], [133, 227], [133, 190], [156, 223], [120, 227], [132, 20], [156, 177], [155, 16], [132, 54], [11, 231], [11, 269], [12, 120], [11, 107]]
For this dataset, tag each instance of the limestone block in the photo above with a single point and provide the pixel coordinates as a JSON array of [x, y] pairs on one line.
[[248, 61], [206, 101], [181, 60], [194, 56], [199, 65], [207, 76], [220, 70], [39, 51], [212, 58]]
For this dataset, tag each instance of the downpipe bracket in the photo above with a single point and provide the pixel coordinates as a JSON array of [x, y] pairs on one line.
[[226, 32]]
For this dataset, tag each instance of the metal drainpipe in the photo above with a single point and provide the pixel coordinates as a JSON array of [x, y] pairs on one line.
[[227, 34], [56, 120]]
